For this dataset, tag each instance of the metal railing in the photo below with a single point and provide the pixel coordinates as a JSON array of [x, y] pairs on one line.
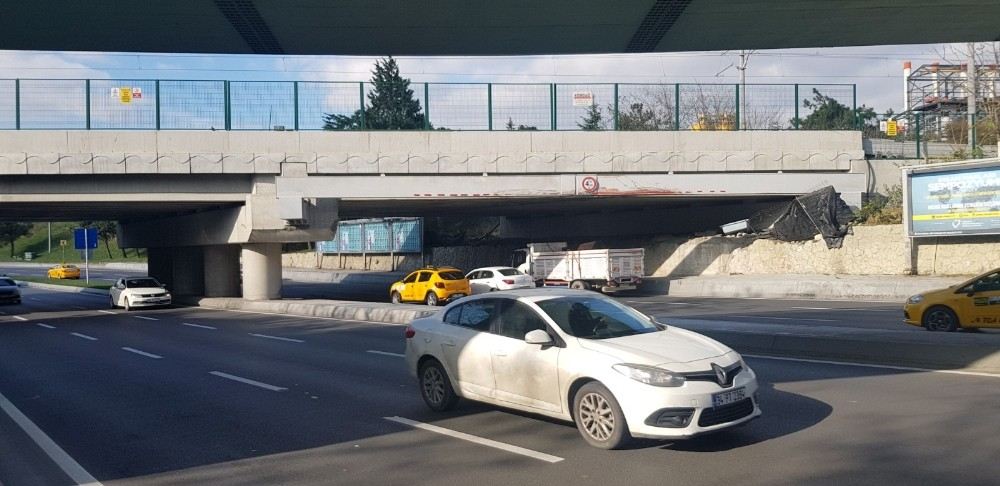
[[148, 104], [929, 135]]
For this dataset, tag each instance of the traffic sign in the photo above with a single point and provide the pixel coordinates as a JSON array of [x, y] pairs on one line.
[[85, 238]]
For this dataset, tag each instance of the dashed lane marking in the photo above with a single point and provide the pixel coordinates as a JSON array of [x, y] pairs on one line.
[[247, 381], [146, 318], [541, 456], [73, 469], [277, 338], [46, 326], [199, 326], [84, 336], [142, 353]]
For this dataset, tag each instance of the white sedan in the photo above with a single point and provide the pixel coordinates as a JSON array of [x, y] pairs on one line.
[[138, 292], [489, 279], [582, 357]]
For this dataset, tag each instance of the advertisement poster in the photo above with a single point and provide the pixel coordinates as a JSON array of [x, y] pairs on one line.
[[960, 202]]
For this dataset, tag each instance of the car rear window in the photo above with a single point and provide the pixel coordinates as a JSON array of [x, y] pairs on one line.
[[509, 272], [6, 282], [451, 275]]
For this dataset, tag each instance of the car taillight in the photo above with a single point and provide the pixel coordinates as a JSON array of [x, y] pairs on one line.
[[409, 332], [508, 281], [439, 285]]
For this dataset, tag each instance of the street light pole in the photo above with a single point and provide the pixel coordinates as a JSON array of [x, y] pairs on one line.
[[744, 61]]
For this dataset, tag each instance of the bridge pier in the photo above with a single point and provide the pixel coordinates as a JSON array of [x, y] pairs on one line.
[[261, 271]]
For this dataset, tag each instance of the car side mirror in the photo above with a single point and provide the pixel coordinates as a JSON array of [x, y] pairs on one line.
[[539, 337]]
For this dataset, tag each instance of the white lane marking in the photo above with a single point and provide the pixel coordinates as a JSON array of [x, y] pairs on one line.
[[784, 318], [200, 326], [89, 338], [146, 318], [277, 338], [19, 318], [46, 326], [386, 353], [867, 365], [541, 456], [73, 469], [247, 381], [142, 353], [814, 308], [107, 312]]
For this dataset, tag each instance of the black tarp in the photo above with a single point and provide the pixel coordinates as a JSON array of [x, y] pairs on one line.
[[819, 212]]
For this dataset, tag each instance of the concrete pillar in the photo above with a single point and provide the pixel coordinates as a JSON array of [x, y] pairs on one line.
[[222, 271], [161, 265], [189, 270], [261, 271]]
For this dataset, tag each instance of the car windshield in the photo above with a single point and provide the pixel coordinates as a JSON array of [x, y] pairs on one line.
[[509, 272], [141, 283], [6, 282], [595, 318], [451, 275]]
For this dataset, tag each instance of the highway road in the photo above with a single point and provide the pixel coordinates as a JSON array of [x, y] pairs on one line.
[[196, 396]]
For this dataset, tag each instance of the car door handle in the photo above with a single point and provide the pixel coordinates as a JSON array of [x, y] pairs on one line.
[[448, 343]]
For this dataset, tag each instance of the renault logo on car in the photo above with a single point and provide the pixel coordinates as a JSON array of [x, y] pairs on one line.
[[720, 374]]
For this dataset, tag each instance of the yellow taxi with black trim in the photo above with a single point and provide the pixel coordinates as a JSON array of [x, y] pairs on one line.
[[64, 271], [974, 303], [431, 285]]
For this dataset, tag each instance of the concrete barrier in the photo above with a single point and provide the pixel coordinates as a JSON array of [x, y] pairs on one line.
[[63, 288], [354, 311]]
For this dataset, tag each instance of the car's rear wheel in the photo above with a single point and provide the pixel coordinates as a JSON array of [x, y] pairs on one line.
[[579, 285], [396, 298], [940, 318], [599, 418], [435, 388], [431, 299]]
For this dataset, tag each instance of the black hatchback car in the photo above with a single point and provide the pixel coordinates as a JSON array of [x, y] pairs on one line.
[[9, 293]]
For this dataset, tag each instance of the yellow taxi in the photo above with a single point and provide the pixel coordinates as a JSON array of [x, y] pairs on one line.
[[971, 304], [64, 271], [431, 285]]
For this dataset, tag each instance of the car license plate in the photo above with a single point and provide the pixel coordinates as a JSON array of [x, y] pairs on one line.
[[732, 396]]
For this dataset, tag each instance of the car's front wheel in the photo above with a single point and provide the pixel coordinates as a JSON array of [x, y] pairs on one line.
[[599, 417], [128, 306], [940, 318], [396, 298], [435, 387]]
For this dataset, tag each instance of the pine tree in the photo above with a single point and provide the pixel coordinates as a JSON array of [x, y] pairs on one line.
[[391, 105], [593, 120]]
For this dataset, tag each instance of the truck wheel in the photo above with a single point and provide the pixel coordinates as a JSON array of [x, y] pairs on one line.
[[579, 285]]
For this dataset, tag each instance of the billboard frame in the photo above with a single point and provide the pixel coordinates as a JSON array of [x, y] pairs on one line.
[[909, 171]]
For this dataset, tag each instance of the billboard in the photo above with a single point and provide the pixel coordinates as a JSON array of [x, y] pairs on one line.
[[389, 235], [954, 202]]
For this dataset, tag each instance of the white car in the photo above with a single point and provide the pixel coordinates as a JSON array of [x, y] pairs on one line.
[[582, 357], [489, 279], [138, 292]]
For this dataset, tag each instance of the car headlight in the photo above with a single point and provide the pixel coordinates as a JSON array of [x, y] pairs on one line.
[[916, 299], [650, 375]]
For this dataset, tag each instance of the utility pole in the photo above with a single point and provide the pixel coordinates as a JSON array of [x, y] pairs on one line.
[[744, 61], [50, 238], [971, 93]]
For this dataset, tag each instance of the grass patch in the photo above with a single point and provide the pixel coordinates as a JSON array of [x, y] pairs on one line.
[[37, 242], [66, 282]]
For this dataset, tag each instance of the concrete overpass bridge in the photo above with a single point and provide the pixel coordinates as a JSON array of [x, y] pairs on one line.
[[203, 201]]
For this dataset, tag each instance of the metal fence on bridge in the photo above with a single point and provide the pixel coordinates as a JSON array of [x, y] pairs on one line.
[[146, 104], [931, 135]]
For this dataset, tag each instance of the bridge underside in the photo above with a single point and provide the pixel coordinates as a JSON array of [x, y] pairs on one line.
[[513, 27]]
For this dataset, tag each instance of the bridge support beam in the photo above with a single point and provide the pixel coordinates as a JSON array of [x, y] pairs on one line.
[[261, 271], [222, 270]]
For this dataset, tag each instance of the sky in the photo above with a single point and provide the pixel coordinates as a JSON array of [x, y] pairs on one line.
[[877, 70]]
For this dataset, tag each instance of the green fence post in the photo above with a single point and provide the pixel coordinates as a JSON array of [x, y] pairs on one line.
[[796, 106], [552, 103], [361, 98], [918, 134], [86, 85], [617, 127], [738, 107], [427, 107], [17, 104], [157, 103], [489, 106], [295, 97], [227, 105], [677, 106]]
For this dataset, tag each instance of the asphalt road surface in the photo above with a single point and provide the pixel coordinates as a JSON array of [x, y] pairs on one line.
[[195, 396]]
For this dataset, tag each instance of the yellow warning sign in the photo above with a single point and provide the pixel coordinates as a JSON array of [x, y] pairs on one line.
[[890, 128], [125, 94]]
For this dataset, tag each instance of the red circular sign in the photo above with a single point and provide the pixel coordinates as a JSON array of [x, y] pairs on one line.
[[590, 184]]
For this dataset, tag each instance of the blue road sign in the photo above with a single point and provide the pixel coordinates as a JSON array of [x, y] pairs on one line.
[[83, 242]]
